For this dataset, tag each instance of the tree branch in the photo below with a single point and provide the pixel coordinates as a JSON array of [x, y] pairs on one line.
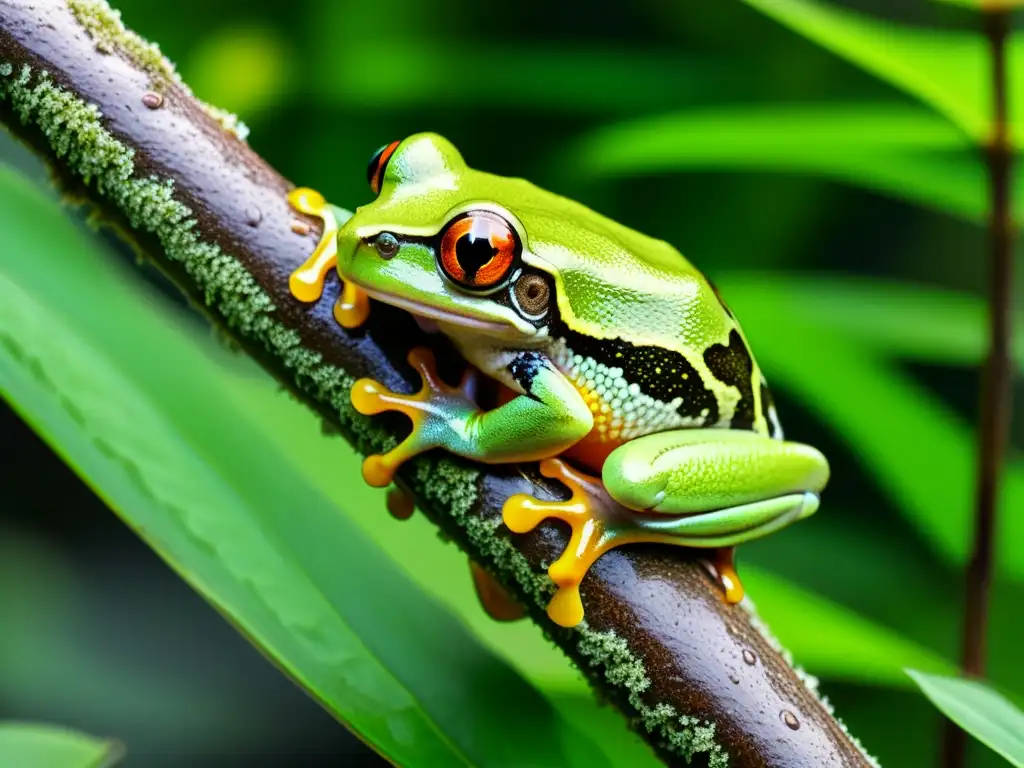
[[178, 182]]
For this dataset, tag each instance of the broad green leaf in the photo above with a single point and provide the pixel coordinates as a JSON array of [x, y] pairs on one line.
[[856, 648], [922, 454], [946, 69], [138, 410], [900, 150], [981, 711], [35, 745]]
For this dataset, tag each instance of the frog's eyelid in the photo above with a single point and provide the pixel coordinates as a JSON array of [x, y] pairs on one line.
[[485, 206]]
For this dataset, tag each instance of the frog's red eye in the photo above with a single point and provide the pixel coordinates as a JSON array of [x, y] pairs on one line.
[[479, 249], [378, 164]]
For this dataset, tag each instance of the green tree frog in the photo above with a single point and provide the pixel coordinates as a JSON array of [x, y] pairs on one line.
[[619, 358]]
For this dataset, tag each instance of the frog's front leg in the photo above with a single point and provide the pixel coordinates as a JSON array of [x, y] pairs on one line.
[[307, 282], [546, 419], [697, 488]]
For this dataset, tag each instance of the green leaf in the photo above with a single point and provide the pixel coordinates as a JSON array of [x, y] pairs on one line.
[[34, 745], [129, 399], [903, 151], [947, 70], [984, 713], [831, 640]]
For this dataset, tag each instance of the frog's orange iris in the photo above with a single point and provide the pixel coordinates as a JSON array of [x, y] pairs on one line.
[[479, 249]]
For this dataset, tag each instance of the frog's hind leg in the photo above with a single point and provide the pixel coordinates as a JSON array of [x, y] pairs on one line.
[[710, 489], [724, 482], [716, 488]]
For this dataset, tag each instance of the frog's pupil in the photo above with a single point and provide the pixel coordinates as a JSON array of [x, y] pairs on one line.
[[473, 252]]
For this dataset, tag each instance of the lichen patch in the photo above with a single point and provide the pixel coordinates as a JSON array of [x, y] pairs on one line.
[[103, 24]]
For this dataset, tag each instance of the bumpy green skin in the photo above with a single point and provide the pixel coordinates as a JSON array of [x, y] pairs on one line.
[[638, 351]]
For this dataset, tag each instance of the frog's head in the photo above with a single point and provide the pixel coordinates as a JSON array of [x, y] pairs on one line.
[[437, 242]]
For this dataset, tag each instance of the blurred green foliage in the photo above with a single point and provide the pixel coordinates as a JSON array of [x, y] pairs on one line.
[[33, 745], [827, 180]]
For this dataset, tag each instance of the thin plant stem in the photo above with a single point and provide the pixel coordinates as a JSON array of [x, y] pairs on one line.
[[996, 385]]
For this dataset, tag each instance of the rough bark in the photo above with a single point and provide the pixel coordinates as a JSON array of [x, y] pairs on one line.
[[660, 643]]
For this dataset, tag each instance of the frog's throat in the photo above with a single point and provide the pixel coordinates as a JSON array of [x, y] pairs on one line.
[[436, 313]]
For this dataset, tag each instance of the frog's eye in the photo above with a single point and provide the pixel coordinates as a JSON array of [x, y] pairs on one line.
[[479, 249], [531, 294], [378, 164]]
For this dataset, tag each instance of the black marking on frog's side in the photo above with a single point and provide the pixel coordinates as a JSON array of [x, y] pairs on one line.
[[768, 411], [663, 374], [525, 367], [733, 365]]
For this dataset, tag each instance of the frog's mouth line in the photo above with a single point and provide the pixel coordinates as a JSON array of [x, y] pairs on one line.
[[427, 316]]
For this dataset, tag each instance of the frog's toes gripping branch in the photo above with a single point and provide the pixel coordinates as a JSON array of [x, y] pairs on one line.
[[436, 411], [598, 524], [307, 282]]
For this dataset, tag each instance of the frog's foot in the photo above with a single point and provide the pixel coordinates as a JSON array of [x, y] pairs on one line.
[[494, 598], [598, 524], [400, 505], [307, 282], [723, 568], [437, 411]]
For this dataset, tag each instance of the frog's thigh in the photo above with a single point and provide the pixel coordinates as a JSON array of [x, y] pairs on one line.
[[702, 470]]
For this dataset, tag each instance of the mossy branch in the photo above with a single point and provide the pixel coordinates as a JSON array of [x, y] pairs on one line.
[[701, 681]]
